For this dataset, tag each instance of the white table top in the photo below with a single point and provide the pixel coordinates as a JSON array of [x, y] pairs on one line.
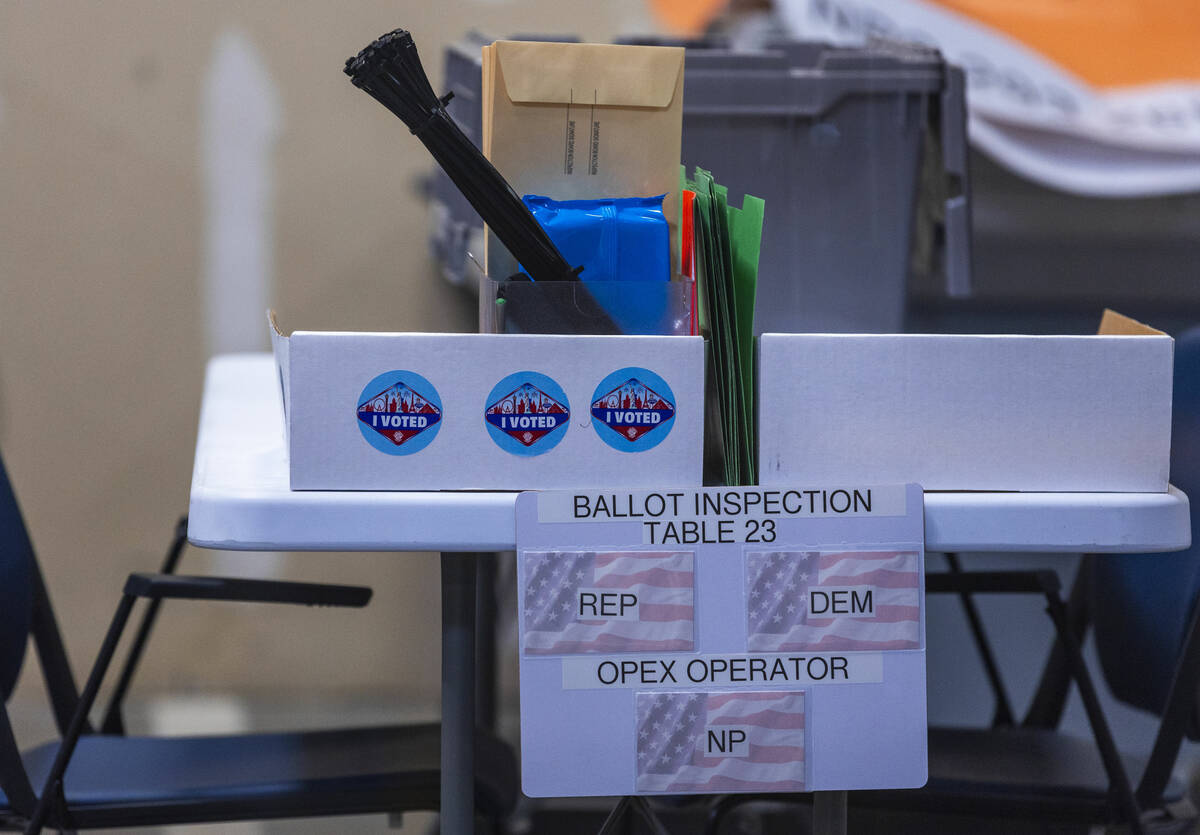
[[240, 498]]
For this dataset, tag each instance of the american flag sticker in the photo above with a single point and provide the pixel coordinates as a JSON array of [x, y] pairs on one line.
[[832, 601], [602, 601], [720, 742]]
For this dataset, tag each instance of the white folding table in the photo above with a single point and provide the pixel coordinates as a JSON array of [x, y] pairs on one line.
[[241, 500]]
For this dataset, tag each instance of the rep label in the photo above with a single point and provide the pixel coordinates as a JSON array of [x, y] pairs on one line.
[[608, 604]]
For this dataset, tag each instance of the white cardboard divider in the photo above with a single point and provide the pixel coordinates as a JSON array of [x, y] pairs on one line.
[[419, 411], [1028, 413]]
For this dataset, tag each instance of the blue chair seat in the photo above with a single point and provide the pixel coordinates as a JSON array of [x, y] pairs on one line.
[[147, 781]]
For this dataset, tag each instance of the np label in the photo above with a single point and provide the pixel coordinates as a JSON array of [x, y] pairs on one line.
[[720, 742], [727, 742]]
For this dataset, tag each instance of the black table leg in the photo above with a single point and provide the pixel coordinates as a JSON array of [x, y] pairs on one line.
[[458, 693], [485, 642], [829, 813]]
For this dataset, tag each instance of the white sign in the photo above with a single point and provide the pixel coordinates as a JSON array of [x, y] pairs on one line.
[[721, 640]]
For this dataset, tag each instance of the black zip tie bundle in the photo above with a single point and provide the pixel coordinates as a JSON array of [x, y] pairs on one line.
[[390, 71]]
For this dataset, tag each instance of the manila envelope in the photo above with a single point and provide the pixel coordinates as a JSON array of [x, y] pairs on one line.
[[577, 121]]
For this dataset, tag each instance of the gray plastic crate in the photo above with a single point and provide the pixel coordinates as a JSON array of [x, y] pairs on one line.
[[860, 154]]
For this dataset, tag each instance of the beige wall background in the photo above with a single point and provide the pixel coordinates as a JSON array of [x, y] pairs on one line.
[[102, 340]]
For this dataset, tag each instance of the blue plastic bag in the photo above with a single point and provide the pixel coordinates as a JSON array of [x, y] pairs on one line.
[[613, 239]]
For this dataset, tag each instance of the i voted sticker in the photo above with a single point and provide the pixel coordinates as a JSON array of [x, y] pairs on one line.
[[399, 412], [527, 413], [633, 409]]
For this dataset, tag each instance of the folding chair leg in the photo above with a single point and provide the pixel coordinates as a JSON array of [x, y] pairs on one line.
[[1003, 715], [1180, 704], [1050, 699], [1120, 790], [642, 806], [113, 723], [616, 817], [52, 790], [624, 808]]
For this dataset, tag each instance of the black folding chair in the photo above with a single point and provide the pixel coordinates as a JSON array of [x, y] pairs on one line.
[[107, 779], [1142, 609], [1032, 771]]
